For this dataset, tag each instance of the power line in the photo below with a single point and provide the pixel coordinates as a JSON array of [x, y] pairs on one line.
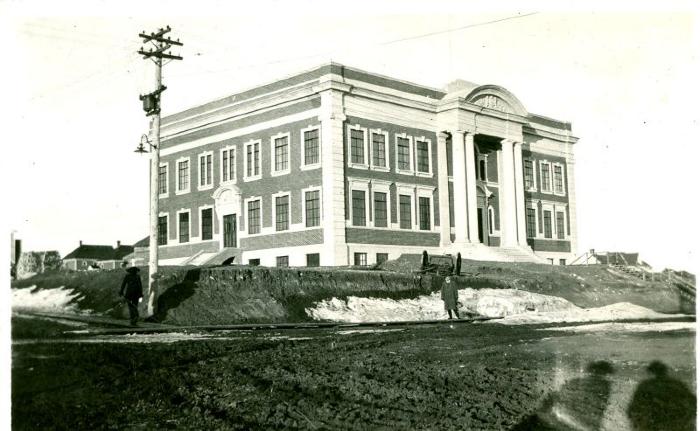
[[384, 43]]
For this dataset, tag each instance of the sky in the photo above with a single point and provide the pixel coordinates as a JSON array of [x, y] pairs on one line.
[[625, 79]]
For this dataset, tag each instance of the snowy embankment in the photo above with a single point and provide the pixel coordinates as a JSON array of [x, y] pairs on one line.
[[514, 306], [57, 300]]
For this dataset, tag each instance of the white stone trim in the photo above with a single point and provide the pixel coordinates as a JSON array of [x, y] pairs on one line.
[[274, 210], [318, 189], [365, 146], [491, 214], [167, 184], [246, 231], [309, 166], [178, 190], [243, 131], [213, 220], [231, 150], [534, 174], [541, 164], [411, 154], [374, 167], [563, 179], [253, 177], [381, 186], [201, 156], [428, 174], [189, 225], [359, 184], [274, 172]]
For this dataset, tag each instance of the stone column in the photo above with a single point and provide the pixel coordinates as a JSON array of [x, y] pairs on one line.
[[471, 188], [571, 195], [443, 190], [459, 175], [335, 250], [519, 193], [509, 228]]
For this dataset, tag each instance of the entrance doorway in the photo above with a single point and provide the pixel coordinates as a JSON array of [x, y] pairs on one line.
[[230, 237]]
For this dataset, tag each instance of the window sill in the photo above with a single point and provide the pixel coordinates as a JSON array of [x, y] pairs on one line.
[[182, 192], [163, 196], [424, 174], [310, 167], [227, 183], [253, 178], [402, 172], [207, 187], [380, 168], [279, 173], [358, 166]]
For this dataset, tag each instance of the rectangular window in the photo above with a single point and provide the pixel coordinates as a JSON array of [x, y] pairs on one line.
[[560, 225], [358, 208], [281, 213], [558, 179], [403, 154], [546, 177], [252, 159], [380, 213], [313, 208], [422, 158], [382, 257], [207, 224], [281, 154], [531, 222], [183, 175], [282, 261], [357, 146], [205, 170], [360, 259], [163, 230], [405, 212], [378, 150], [254, 217], [424, 213], [562, 262], [254, 262], [547, 218], [228, 165], [311, 153], [184, 220], [163, 179], [528, 174], [313, 259]]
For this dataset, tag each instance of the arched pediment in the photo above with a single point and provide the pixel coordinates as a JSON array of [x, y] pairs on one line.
[[497, 98], [229, 193]]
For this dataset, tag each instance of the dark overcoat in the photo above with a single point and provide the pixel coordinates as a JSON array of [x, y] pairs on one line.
[[131, 286], [448, 294]]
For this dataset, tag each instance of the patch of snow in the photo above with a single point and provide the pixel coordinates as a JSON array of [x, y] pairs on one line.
[[170, 337], [513, 305], [617, 311], [58, 299], [629, 327]]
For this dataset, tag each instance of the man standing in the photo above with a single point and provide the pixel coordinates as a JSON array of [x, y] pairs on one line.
[[448, 294], [132, 291]]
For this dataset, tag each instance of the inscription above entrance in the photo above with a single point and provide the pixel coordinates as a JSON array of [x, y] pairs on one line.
[[493, 102]]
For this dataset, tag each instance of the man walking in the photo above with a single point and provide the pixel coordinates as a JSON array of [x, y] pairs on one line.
[[448, 293], [132, 291]]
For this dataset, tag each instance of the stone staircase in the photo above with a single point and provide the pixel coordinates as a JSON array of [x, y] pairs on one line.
[[499, 254], [218, 258]]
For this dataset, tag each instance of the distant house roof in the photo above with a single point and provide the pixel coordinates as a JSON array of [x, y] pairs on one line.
[[122, 251], [100, 252], [143, 243]]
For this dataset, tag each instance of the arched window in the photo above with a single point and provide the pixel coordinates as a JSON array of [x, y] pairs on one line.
[[491, 221]]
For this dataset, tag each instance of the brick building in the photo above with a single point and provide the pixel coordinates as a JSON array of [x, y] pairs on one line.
[[337, 166]]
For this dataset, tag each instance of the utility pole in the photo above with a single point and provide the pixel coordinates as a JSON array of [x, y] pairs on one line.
[[151, 104]]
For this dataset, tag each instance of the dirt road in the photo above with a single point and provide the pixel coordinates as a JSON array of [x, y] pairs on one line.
[[442, 376]]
